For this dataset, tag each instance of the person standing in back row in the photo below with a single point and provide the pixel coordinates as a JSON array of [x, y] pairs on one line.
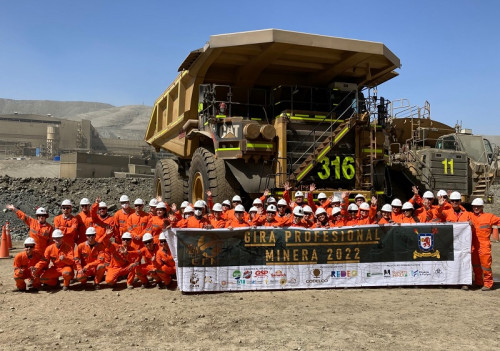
[[67, 224]]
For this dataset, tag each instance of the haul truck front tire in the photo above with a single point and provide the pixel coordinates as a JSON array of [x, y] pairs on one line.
[[168, 183]]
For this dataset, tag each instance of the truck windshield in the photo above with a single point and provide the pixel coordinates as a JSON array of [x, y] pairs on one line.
[[447, 143]]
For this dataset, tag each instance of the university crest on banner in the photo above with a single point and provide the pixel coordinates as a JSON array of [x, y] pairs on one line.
[[426, 245]]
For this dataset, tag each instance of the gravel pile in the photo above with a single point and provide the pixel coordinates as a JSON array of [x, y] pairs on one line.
[[29, 193]]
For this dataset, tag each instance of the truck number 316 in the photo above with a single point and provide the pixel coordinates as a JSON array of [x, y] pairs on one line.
[[346, 166]]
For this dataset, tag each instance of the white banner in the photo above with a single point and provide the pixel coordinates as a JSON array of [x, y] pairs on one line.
[[425, 265]]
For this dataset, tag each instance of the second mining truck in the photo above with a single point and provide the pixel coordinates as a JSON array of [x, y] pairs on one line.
[[253, 110]]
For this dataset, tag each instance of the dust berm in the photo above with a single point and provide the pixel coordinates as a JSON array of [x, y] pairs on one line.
[[431, 318]]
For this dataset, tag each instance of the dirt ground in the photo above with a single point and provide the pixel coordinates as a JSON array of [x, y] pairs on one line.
[[331, 319]]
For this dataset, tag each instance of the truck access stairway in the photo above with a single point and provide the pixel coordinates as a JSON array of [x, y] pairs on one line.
[[324, 147]]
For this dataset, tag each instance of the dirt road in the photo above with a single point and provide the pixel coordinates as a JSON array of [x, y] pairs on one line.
[[337, 319]]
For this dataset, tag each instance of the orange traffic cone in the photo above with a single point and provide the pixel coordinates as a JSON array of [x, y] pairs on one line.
[[4, 246], [9, 237], [494, 234]]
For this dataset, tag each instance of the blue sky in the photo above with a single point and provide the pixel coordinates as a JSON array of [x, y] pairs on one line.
[[128, 52]]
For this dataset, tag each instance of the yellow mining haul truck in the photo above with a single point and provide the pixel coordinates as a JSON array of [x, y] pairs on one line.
[[250, 111]]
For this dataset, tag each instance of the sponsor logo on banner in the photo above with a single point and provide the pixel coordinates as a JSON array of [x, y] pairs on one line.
[[387, 273], [317, 277], [193, 280], [261, 273], [374, 274], [209, 279], [247, 274], [420, 273], [438, 272], [283, 281], [400, 274], [426, 245], [223, 283], [344, 274], [237, 274], [241, 281], [278, 273]]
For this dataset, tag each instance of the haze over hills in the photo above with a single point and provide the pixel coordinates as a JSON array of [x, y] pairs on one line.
[[124, 122]]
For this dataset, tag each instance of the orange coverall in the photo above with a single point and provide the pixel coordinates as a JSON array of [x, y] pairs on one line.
[[22, 269], [85, 221], [149, 267], [60, 267], [481, 247], [101, 224], [234, 223], [41, 233], [121, 217], [137, 224], [90, 260], [165, 265], [155, 227], [122, 263], [193, 222], [69, 227]]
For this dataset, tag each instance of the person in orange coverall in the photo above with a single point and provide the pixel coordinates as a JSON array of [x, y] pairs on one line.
[[165, 263], [40, 230], [148, 256], [60, 254], [24, 266], [137, 223], [158, 223], [67, 223], [89, 258], [238, 220], [84, 220], [481, 244], [124, 261], [121, 217], [102, 222]]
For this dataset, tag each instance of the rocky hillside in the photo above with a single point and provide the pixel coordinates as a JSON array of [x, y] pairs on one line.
[[124, 122]]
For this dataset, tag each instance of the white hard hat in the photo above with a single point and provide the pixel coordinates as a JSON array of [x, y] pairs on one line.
[[217, 207], [364, 206], [57, 234], [40, 211], [319, 211], [282, 202], [428, 195], [336, 199], [307, 209], [271, 200], [359, 196], [396, 203], [84, 201], [162, 236], [126, 235], [153, 203], [353, 208], [236, 198], [298, 211], [271, 208], [322, 196], [336, 211], [227, 203], [188, 209], [147, 237], [160, 205], [29, 241], [257, 201], [124, 198], [239, 208], [477, 202], [90, 231], [102, 204], [299, 194], [442, 193], [184, 204], [455, 196], [408, 206], [253, 209], [66, 203], [138, 202], [199, 204], [387, 208]]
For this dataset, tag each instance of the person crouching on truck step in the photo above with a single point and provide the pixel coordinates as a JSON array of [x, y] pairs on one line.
[[121, 217], [90, 258], [60, 254], [24, 266], [40, 230], [165, 262], [124, 261], [239, 218], [386, 215], [481, 245]]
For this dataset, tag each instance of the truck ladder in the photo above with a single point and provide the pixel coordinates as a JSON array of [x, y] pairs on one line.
[[368, 170], [326, 145]]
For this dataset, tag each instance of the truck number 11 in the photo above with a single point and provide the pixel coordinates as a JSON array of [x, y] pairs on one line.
[[448, 163]]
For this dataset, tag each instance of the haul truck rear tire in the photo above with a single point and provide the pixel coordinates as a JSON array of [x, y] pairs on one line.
[[168, 183], [208, 173]]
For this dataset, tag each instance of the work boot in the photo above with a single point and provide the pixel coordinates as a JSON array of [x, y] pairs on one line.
[[485, 288], [160, 285], [145, 285], [65, 288], [97, 286], [130, 286], [465, 287]]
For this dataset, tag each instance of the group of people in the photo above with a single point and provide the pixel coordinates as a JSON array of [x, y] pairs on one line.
[[132, 242]]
